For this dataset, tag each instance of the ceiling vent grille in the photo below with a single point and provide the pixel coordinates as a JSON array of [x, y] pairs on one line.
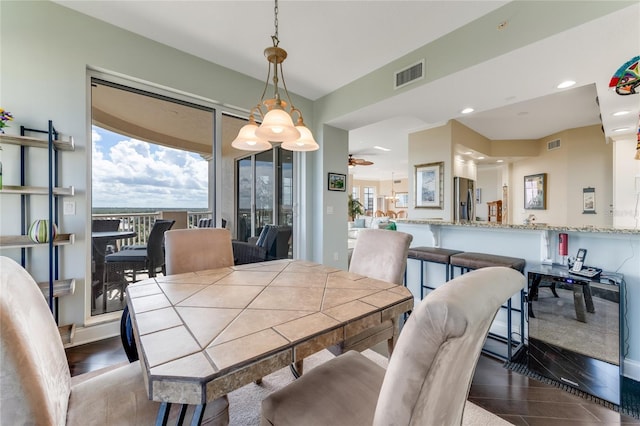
[[554, 144], [409, 75]]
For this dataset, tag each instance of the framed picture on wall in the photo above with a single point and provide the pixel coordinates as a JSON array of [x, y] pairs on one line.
[[535, 192], [429, 185], [337, 182], [588, 201]]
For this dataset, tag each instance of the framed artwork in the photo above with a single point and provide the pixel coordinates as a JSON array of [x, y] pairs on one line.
[[535, 192], [337, 182], [588, 201], [402, 200], [429, 184]]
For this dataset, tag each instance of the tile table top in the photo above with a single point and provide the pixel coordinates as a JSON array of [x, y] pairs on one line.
[[201, 335]]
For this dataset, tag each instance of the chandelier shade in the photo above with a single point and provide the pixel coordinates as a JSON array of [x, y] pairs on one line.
[[276, 115], [277, 126], [247, 139], [304, 143]]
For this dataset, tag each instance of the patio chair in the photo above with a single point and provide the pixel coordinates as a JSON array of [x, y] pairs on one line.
[[36, 387], [272, 244], [100, 247], [429, 375], [130, 262]]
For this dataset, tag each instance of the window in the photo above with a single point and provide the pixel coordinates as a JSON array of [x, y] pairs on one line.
[[355, 193], [369, 197]]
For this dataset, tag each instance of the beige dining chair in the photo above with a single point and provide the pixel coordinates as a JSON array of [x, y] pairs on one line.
[[379, 254], [186, 250], [197, 249], [36, 386], [429, 374]]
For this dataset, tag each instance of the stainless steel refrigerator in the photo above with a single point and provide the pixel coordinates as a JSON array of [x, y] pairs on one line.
[[464, 208]]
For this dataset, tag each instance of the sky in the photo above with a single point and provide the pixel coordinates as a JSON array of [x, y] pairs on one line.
[[132, 173]]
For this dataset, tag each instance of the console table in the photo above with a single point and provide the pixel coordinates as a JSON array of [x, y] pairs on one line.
[[575, 329]]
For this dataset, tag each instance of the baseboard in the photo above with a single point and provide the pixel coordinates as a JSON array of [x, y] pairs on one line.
[[631, 369], [94, 333]]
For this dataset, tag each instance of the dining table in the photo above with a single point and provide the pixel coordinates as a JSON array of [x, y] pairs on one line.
[[203, 334]]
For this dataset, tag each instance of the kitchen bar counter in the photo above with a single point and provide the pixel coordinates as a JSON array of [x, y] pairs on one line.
[[611, 249], [532, 227]]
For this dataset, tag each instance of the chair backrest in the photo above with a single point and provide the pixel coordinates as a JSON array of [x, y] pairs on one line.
[[155, 243], [35, 382], [381, 254], [431, 368], [205, 222], [197, 249], [275, 240]]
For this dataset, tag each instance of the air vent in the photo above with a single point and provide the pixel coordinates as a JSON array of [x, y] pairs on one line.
[[554, 144], [409, 75]]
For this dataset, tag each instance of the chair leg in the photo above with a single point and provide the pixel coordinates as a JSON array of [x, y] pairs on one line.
[[391, 342]]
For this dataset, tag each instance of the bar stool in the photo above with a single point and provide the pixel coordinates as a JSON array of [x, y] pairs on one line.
[[433, 255], [469, 260]]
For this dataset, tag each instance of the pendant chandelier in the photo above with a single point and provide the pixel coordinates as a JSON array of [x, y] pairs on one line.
[[276, 114]]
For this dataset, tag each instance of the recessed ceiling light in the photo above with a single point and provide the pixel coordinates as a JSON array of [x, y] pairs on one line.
[[621, 129], [481, 158], [619, 113], [381, 148], [467, 110], [469, 152], [566, 84], [500, 161]]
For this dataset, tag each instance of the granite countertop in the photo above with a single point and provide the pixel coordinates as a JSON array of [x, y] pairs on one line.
[[532, 227]]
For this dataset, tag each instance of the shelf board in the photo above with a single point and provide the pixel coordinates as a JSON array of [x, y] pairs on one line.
[[23, 241], [60, 288], [36, 190], [60, 145], [67, 333]]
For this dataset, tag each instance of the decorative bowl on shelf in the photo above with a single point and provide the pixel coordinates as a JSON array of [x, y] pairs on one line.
[[39, 231]]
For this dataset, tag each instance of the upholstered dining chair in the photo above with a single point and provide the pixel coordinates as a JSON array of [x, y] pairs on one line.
[[429, 374], [379, 254], [36, 386], [186, 250], [197, 249]]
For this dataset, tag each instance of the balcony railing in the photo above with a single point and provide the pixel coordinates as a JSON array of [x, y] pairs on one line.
[[141, 223]]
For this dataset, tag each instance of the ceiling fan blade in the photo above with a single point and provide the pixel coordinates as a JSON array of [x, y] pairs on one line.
[[358, 161]]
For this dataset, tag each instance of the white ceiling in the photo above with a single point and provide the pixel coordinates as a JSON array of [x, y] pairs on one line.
[[331, 43]]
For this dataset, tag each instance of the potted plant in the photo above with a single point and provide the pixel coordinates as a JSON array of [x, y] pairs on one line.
[[355, 208]]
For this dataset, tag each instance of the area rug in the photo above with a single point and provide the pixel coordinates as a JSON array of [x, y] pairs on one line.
[[244, 403]]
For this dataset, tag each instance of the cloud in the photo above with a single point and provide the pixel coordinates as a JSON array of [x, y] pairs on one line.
[[133, 173]]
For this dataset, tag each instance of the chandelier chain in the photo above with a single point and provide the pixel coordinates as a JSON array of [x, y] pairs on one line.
[[275, 24]]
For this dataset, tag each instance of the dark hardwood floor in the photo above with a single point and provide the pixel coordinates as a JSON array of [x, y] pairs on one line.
[[512, 396]]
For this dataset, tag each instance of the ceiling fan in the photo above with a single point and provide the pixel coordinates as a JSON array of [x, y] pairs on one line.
[[357, 162]]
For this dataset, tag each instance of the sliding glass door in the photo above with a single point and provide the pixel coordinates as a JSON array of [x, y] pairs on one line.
[[264, 191]]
